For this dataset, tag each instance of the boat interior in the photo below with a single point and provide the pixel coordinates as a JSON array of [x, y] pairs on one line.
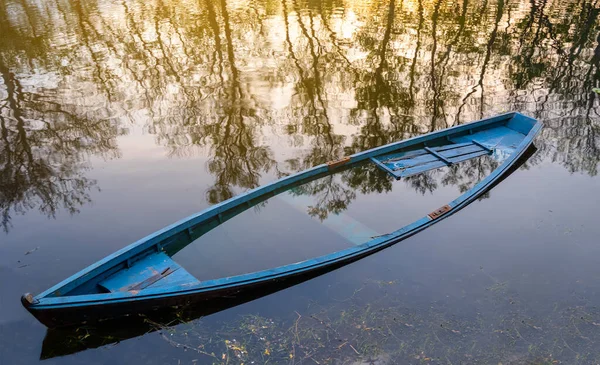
[[151, 265]]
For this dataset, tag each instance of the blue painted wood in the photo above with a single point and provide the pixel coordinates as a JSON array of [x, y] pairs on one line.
[[458, 148], [395, 163], [150, 266], [396, 156], [511, 132], [438, 156], [482, 145], [447, 155], [437, 164], [384, 167]]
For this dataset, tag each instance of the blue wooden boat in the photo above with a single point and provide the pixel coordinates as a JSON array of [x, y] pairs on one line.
[[143, 277]]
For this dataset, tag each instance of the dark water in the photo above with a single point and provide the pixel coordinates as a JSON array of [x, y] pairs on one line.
[[120, 117]]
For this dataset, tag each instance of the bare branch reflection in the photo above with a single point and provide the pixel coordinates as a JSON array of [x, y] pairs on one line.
[[267, 88]]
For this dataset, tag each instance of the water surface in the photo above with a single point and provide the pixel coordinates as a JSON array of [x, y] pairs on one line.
[[118, 118]]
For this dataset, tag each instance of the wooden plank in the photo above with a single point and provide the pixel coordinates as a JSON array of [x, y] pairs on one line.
[[439, 156], [421, 168], [148, 272], [437, 163], [151, 280], [397, 156], [384, 167], [426, 159], [483, 146], [469, 156]]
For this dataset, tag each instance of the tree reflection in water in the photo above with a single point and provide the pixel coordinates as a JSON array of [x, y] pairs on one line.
[[231, 80], [43, 150]]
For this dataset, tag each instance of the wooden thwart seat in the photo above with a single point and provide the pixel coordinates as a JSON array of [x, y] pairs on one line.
[[404, 164], [153, 271]]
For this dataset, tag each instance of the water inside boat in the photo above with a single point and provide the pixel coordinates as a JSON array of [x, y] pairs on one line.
[[343, 209]]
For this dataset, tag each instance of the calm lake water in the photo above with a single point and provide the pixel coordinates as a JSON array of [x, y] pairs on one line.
[[118, 118]]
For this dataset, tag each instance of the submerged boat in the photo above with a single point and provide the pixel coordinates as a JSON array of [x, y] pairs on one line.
[[143, 277]]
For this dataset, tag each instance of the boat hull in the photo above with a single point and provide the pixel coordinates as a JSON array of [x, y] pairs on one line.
[[70, 315], [68, 303]]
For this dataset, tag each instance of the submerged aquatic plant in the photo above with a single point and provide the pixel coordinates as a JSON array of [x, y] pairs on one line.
[[359, 330]]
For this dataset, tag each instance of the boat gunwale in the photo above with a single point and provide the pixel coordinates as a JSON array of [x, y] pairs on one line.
[[42, 302]]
